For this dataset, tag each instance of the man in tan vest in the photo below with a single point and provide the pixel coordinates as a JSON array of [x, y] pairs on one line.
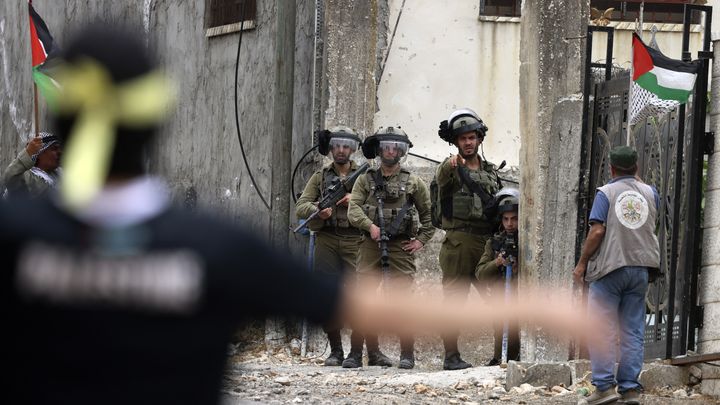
[[619, 252]]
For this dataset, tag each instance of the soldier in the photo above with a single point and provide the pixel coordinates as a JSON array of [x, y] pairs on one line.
[[466, 183], [390, 244], [502, 250], [337, 243], [36, 169]]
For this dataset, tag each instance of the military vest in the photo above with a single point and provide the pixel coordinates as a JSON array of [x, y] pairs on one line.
[[394, 194], [467, 207], [339, 217]]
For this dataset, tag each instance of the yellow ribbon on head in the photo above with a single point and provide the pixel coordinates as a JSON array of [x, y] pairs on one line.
[[88, 92]]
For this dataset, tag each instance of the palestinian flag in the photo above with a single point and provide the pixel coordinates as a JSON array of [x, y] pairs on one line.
[[669, 79], [43, 50]]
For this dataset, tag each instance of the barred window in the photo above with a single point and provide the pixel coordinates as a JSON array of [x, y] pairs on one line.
[[500, 8], [225, 16], [654, 11]]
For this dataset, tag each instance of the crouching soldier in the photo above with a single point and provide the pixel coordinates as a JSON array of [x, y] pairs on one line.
[[502, 251], [392, 207], [337, 243]]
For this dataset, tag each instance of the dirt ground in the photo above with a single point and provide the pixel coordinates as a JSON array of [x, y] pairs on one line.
[[257, 377]]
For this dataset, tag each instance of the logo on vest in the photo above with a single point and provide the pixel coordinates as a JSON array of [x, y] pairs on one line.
[[631, 209]]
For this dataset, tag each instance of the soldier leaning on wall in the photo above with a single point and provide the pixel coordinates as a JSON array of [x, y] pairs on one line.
[[336, 245], [466, 183], [500, 251]]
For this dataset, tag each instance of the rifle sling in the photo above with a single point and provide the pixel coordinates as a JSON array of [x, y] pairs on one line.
[[473, 186]]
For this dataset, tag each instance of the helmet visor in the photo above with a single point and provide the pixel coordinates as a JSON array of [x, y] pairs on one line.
[[343, 144], [391, 152]]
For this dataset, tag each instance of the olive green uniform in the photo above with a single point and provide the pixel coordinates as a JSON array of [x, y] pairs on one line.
[[22, 176], [494, 276], [466, 232], [399, 188], [467, 229], [416, 224], [336, 242]]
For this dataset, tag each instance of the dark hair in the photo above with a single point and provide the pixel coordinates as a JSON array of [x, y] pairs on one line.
[[125, 56], [625, 172]]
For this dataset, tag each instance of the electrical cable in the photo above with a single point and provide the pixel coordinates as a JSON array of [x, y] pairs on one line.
[[292, 179], [237, 117]]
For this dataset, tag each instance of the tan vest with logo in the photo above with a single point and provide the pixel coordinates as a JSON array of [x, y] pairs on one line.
[[630, 238]]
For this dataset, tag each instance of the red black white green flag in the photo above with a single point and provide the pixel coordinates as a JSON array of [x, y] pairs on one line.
[[669, 79], [43, 49], [41, 42]]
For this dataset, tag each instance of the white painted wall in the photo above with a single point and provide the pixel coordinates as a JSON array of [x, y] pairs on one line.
[[444, 57]]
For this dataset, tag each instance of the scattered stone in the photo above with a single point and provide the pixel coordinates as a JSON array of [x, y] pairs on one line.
[[453, 401], [297, 400], [303, 392], [681, 393], [660, 375], [493, 395], [282, 380], [461, 385], [432, 393], [313, 373], [295, 346], [361, 389], [278, 391], [421, 389], [695, 396], [401, 390], [516, 391], [462, 397], [582, 401], [695, 371], [499, 390], [527, 388], [548, 374]]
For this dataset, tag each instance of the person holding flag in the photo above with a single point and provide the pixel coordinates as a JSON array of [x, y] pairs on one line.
[[36, 170]]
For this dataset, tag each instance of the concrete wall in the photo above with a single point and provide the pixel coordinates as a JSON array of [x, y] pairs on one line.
[[551, 75], [198, 151], [709, 282], [443, 58]]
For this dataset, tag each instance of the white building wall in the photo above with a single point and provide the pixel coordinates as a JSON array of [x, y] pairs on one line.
[[444, 57]]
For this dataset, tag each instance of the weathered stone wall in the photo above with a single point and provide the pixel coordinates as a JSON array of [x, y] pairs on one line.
[[198, 151], [709, 282], [551, 74]]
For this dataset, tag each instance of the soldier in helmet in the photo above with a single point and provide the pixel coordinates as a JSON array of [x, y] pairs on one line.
[[337, 242], [466, 185], [502, 250], [402, 200]]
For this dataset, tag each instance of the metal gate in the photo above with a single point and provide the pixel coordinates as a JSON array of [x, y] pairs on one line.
[[670, 157]]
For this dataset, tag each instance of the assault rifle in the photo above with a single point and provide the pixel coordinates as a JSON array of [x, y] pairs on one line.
[[334, 193], [384, 254]]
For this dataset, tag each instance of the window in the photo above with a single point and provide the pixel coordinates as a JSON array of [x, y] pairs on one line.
[[225, 16], [500, 8], [654, 11]]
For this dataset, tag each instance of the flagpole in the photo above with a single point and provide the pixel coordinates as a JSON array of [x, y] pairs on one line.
[[37, 116]]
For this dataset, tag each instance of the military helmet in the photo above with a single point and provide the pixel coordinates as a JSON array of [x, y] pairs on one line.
[[460, 122], [338, 134], [386, 137], [508, 200]]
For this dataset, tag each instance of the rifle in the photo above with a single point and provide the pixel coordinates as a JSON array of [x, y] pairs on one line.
[[384, 254], [334, 193], [509, 251]]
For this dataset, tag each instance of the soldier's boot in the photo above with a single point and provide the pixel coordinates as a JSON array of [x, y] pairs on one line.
[[452, 355], [407, 354], [336, 350], [375, 356], [354, 358]]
